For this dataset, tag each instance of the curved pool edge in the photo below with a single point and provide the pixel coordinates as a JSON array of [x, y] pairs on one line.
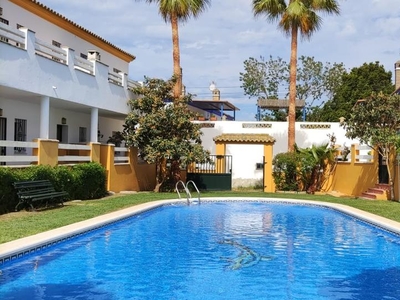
[[17, 248]]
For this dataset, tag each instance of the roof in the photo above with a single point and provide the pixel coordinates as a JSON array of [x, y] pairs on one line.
[[254, 138], [278, 103], [54, 17], [213, 105]]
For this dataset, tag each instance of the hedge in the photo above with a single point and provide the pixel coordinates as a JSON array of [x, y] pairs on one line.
[[82, 181]]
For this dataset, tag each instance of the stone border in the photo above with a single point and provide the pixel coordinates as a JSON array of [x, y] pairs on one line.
[[18, 248]]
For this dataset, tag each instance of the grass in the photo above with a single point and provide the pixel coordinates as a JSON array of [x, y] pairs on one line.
[[22, 224]]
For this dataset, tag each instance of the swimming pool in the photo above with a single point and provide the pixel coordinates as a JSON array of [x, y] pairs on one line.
[[217, 250]]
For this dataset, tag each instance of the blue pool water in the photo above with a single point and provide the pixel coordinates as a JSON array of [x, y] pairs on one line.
[[225, 250]]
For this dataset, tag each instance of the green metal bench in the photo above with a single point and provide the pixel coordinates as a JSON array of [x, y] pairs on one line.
[[38, 191]]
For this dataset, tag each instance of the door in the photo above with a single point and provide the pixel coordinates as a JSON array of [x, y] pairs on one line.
[[62, 133], [3, 136], [383, 172]]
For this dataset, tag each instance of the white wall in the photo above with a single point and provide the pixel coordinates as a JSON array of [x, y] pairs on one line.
[[48, 32], [13, 109], [245, 157]]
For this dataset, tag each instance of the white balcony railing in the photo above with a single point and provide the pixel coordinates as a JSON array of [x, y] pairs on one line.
[[19, 154], [52, 52], [19, 38], [364, 154], [83, 65], [70, 149], [12, 36], [121, 155]]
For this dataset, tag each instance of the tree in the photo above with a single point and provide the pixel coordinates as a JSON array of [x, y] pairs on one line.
[[269, 78], [375, 121], [294, 17], [314, 164], [175, 11], [358, 84], [163, 131]]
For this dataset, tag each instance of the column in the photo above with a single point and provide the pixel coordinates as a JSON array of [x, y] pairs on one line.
[[94, 121], [44, 117]]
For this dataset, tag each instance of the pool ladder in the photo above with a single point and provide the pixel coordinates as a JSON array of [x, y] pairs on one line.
[[186, 189]]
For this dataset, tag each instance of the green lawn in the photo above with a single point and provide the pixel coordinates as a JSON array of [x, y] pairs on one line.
[[21, 224]]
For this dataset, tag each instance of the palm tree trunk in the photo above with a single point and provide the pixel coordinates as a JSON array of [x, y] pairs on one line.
[[176, 56], [292, 91]]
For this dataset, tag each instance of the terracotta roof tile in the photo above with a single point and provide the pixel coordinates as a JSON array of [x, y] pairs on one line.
[[244, 137]]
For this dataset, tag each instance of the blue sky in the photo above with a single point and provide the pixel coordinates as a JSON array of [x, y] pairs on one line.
[[215, 45]]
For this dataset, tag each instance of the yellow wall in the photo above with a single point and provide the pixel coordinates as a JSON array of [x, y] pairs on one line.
[[133, 176], [351, 177]]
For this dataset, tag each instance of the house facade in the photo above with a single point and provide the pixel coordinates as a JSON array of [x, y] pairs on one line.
[[57, 79]]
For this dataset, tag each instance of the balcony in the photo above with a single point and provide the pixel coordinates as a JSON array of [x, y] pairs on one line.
[[37, 68]]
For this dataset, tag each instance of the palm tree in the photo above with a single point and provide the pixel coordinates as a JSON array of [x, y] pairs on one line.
[[294, 16], [175, 11]]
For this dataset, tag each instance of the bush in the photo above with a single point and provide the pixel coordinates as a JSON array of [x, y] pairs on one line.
[[90, 181], [82, 181], [8, 196], [285, 171]]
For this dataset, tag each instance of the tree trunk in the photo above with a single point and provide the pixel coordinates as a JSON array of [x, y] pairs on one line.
[[176, 56], [292, 91], [390, 162], [161, 173], [313, 181]]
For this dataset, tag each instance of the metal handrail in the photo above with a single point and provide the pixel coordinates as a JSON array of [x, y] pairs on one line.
[[185, 187], [195, 186]]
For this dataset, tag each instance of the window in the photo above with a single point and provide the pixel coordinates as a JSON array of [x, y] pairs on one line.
[[84, 56], [1, 11], [259, 166], [82, 135], [115, 70], [19, 26], [56, 44], [20, 134], [2, 38]]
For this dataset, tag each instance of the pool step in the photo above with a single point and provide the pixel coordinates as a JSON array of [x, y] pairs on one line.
[[378, 192]]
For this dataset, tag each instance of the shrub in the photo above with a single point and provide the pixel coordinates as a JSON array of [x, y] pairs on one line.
[[8, 196], [285, 171], [89, 181], [82, 181]]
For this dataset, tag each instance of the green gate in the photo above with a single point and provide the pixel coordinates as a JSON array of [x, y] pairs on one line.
[[213, 176]]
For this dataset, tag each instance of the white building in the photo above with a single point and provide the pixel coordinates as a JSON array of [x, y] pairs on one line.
[[57, 79], [248, 160]]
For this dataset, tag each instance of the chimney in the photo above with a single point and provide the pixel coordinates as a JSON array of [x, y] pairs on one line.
[[93, 55], [216, 93], [397, 75]]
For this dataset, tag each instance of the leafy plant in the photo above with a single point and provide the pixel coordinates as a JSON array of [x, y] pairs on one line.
[[375, 121], [285, 172], [159, 125]]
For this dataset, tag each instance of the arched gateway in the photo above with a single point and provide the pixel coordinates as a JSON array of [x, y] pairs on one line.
[[247, 138]]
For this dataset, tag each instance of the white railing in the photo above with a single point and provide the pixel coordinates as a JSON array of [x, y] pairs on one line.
[[18, 38], [21, 155], [74, 158], [115, 78], [83, 65], [52, 52], [344, 153], [121, 155], [364, 155], [133, 84], [12, 36]]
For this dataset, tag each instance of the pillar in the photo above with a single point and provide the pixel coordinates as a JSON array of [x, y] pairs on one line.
[[94, 121], [269, 184], [44, 117]]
